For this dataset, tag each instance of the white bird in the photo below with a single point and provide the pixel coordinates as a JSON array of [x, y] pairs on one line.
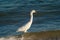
[[28, 24]]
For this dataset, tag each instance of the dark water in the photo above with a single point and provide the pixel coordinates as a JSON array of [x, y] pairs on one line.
[[15, 13]]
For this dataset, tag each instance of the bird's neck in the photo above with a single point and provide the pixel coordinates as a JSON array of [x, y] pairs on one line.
[[31, 17]]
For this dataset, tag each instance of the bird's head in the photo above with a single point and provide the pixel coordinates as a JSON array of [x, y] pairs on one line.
[[33, 11]]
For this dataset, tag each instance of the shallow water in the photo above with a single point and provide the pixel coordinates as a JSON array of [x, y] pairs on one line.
[[15, 13]]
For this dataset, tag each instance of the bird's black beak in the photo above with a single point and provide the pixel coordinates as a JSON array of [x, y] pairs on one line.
[[35, 13]]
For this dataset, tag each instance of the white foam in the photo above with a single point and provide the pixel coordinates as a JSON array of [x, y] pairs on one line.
[[9, 38]]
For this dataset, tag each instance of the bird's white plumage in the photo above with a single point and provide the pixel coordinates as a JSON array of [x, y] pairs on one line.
[[28, 25]]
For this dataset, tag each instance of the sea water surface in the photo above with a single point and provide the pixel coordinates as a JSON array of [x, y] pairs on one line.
[[15, 13]]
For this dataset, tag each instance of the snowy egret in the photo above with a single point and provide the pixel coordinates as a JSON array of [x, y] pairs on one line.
[[28, 24]]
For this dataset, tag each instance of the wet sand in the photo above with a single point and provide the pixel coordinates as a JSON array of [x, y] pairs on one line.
[[44, 35], [47, 35]]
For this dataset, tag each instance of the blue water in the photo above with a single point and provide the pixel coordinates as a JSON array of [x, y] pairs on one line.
[[15, 13]]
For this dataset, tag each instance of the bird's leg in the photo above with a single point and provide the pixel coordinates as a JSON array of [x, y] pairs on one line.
[[22, 37]]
